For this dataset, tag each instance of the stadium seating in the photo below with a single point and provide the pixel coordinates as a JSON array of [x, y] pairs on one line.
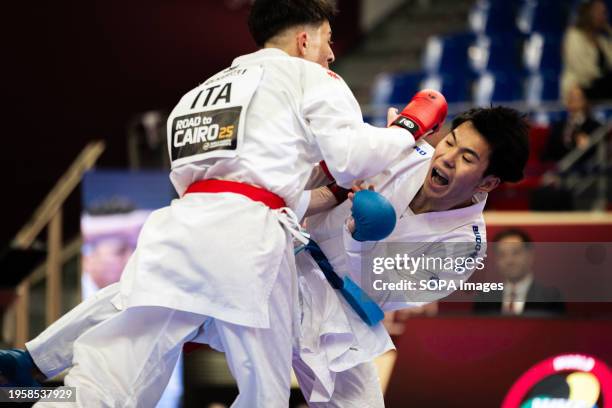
[[494, 16], [511, 55], [391, 89], [545, 16], [448, 54]]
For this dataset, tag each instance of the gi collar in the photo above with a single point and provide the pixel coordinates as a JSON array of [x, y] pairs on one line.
[[451, 219], [263, 53]]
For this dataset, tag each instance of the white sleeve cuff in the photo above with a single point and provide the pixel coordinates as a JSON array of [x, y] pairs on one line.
[[352, 245], [302, 205]]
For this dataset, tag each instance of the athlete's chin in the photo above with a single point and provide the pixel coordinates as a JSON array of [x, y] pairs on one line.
[[433, 190]]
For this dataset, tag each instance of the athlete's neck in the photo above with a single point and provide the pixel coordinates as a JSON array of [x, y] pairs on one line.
[[286, 41], [291, 51], [422, 204]]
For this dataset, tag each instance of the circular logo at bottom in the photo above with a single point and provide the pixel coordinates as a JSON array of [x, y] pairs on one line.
[[564, 381]]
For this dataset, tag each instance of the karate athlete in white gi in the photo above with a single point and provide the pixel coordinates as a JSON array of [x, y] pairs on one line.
[[219, 260], [333, 357], [438, 196]]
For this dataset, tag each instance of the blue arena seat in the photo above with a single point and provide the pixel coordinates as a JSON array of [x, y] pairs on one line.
[[455, 87], [496, 87], [509, 87], [455, 53], [541, 87], [494, 16], [447, 54], [542, 53], [390, 89], [546, 16], [432, 55], [500, 53]]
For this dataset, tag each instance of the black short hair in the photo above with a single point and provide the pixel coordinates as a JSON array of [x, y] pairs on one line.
[[506, 131], [514, 232], [269, 17]]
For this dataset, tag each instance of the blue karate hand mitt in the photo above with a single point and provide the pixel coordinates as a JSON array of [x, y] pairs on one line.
[[17, 366], [374, 216], [361, 303]]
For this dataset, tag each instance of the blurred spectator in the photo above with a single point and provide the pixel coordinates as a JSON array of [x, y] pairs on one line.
[[574, 131], [587, 52], [522, 294]]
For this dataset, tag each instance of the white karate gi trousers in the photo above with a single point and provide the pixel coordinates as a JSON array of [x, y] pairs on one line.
[[357, 387], [124, 358]]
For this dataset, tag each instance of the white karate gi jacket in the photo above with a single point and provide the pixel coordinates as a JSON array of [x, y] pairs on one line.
[[333, 337], [219, 254]]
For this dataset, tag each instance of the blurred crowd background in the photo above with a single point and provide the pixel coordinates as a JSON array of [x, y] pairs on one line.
[[108, 70]]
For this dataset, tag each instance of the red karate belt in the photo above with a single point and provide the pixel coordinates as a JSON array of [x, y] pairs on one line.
[[259, 194]]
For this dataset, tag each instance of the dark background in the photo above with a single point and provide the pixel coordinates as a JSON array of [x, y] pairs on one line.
[[74, 71]]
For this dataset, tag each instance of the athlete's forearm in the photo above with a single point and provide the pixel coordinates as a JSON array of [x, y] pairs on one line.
[[321, 199]]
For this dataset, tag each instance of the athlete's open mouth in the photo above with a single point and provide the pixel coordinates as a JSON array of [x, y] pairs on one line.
[[438, 177]]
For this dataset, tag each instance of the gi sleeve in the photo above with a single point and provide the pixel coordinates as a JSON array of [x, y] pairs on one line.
[[318, 178], [303, 203], [351, 148]]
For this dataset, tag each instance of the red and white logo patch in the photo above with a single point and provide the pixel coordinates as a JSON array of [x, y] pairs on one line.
[[333, 74]]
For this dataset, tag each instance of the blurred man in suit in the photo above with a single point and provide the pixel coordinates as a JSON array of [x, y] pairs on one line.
[[523, 294], [574, 131]]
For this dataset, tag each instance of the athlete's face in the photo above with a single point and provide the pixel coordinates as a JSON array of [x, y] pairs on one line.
[[316, 44], [456, 172]]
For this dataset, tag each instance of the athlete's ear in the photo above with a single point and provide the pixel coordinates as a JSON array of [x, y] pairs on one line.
[[302, 43], [488, 183]]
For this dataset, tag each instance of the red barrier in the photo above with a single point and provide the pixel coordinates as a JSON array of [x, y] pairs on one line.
[[473, 362]]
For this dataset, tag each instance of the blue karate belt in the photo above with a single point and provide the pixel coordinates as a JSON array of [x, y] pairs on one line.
[[359, 301]]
